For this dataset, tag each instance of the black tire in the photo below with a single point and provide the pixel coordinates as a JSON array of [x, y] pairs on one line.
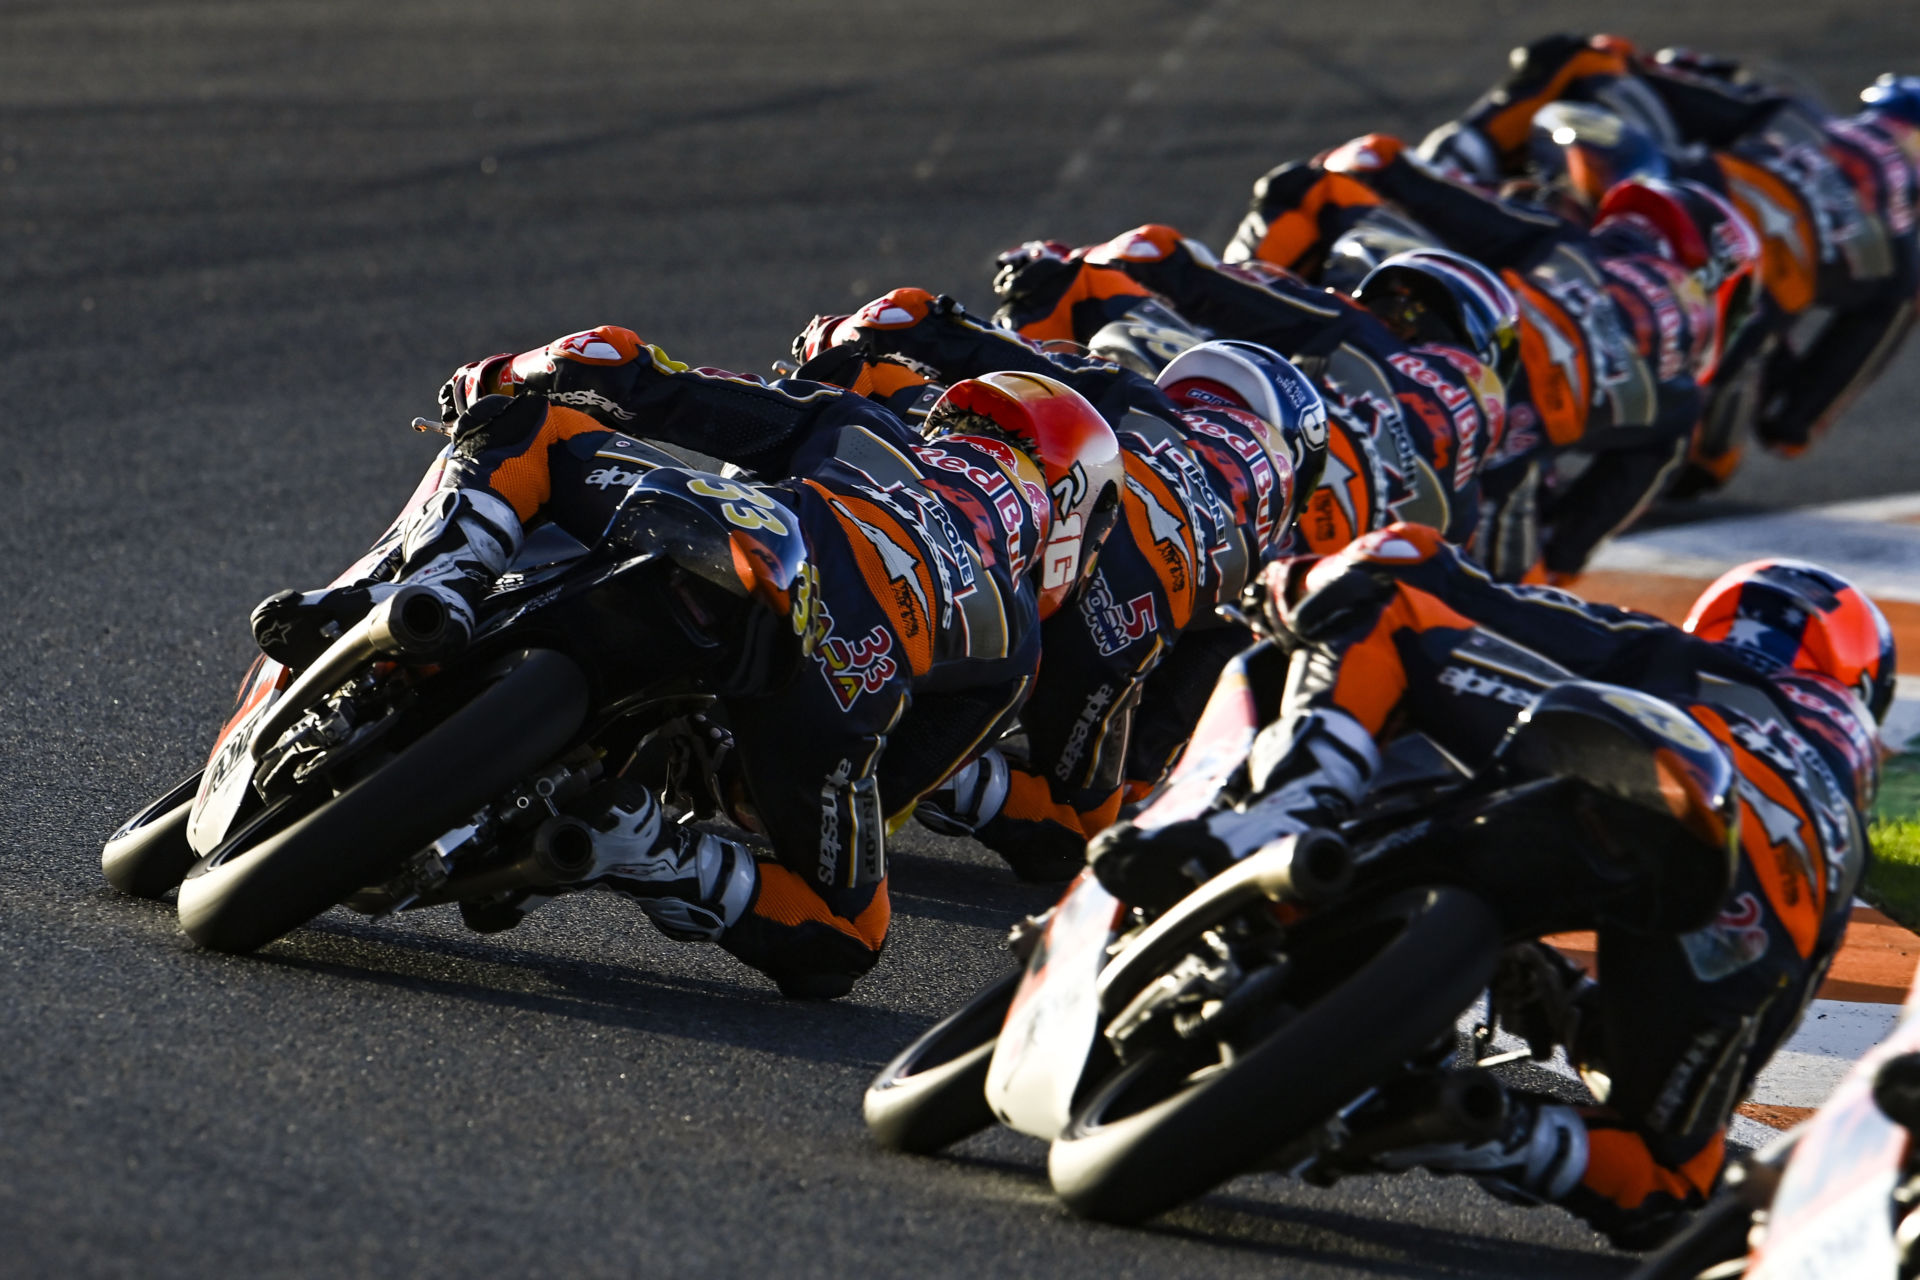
[[1717, 1235], [1160, 1132], [149, 855], [934, 1093], [244, 894]]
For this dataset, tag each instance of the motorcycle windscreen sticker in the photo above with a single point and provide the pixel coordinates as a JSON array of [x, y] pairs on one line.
[[1055, 1014]]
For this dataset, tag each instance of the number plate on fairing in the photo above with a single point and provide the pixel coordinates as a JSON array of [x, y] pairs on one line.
[[1055, 1015], [229, 771]]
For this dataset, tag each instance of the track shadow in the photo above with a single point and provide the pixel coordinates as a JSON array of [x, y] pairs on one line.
[[1352, 1240], [1364, 1241], [742, 1014]]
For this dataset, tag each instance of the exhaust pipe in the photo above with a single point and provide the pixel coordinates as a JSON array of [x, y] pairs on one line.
[[407, 624], [563, 850], [1314, 867], [410, 623]]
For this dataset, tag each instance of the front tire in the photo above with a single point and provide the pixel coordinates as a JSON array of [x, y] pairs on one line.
[[242, 896], [934, 1093], [149, 855], [1165, 1129]]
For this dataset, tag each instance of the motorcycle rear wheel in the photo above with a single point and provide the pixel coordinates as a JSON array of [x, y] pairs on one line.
[[935, 1092], [262, 885], [1162, 1131], [149, 855]]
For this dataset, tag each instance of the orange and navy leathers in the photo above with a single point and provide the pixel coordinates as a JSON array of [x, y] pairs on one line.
[[1606, 331], [1203, 501], [1831, 199], [1411, 425], [1417, 636], [926, 631]]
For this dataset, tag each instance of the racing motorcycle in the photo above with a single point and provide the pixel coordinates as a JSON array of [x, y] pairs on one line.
[[1297, 1010], [388, 779]]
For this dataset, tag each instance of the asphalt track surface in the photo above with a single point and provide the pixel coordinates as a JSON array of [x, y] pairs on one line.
[[243, 243]]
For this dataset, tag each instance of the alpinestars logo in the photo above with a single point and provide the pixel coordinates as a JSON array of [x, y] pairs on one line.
[[588, 402], [1083, 726]]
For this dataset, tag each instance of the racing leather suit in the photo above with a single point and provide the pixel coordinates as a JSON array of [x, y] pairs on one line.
[[1410, 425], [1128, 663], [1831, 198]]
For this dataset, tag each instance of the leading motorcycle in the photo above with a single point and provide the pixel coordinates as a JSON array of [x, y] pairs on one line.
[[1297, 1011], [387, 777]]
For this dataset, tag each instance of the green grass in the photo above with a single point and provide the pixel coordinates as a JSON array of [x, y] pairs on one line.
[[1893, 882]]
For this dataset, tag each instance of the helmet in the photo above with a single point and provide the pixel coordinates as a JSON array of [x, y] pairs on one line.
[[744, 594], [1896, 96], [1291, 416], [1585, 150], [1436, 295], [1075, 452], [1806, 618], [1707, 236]]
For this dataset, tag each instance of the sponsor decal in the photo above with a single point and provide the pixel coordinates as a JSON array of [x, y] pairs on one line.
[[1465, 682], [589, 401], [1736, 938], [830, 790], [613, 477], [1084, 724], [1659, 719], [852, 667], [1115, 625]]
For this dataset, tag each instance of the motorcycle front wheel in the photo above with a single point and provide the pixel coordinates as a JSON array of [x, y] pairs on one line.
[[149, 855], [934, 1093], [264, 883], [1361, 999]]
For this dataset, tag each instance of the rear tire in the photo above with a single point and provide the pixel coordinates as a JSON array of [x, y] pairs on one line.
[[1160, 1131], [934, 1093], [244, 895], [149, 855]]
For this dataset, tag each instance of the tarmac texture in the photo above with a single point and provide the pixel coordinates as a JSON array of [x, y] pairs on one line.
[[244, 243]]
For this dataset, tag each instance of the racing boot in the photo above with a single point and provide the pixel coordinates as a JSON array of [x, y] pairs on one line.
[[1537, 1158], [968, 799], [1305, 772], [455, 545], [692, 884]]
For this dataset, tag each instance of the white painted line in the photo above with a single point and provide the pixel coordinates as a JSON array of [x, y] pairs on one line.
[[1882, 559], [1829, 1040], [1903, 717]]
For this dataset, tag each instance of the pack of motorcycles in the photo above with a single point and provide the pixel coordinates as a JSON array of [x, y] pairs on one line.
[[1296, 1013]]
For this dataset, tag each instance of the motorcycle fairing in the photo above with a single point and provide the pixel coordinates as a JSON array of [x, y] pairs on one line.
[[1054, 1019]]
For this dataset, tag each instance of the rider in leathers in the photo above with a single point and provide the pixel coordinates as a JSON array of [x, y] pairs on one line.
[[1832, 198], [1608, 325], [1126, 670], [1411, 423], [1403, 632], [924, 638]]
